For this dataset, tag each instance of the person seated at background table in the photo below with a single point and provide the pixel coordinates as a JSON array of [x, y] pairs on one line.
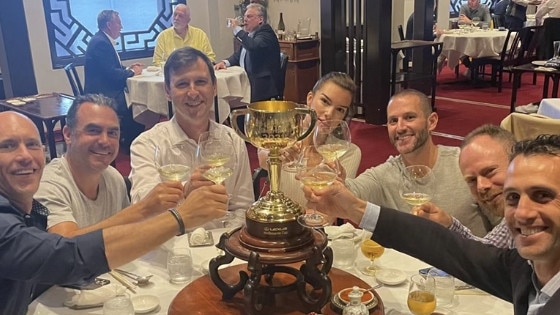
[[472, 9], [331, 98], [483, 161], [32, 257], [181, 34], [410, 120], [516, 13], [259, 54], [190, 84], [548, 8], [527, 276], [81, 190], [104, 73]]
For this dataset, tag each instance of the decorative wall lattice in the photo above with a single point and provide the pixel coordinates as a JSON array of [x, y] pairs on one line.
[[68, 35]]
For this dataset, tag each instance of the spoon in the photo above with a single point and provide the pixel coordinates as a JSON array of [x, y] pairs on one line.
[[140, 280]]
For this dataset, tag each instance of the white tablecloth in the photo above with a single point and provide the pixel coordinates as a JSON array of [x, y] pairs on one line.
[[393, 297], [550, 107], [477, 44], [146, 94]]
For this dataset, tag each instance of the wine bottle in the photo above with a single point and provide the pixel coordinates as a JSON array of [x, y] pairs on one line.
[[281, 26]]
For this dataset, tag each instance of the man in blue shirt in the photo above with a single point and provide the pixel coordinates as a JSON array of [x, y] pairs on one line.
[[31, 256]]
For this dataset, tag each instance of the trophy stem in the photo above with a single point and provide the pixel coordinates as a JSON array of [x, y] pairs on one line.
[[274, 167]]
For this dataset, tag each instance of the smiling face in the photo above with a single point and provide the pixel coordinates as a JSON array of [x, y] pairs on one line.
[[22, 159], [192, 92], [407, 124], [93, 143], [532, 207], [484, 163]]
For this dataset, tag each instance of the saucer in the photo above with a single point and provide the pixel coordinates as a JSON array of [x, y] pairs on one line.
[[145, 303], [390, 276]]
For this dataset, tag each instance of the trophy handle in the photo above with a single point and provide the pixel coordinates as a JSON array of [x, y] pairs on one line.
[[233, 119], [305, 111]]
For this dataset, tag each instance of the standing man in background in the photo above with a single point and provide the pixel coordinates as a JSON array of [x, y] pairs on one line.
[[181, 35], [259, 54], [516, 13], [104, 73]]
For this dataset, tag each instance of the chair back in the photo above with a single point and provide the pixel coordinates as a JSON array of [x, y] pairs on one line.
[[528, 126], [551, 33], [74, 79], [535, 40], [283, 67], [499, 20]]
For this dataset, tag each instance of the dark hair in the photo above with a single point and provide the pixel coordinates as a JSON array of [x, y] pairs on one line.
[[504, 137], [542, 144], [97, 99], [425, 105], [183, 58], [260, 8], [343, 81], [104, 17]]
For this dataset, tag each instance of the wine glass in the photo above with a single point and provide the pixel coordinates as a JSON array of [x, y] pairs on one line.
[[417, 185], [172, 164], [371, 250], [332, 139], [475, 21], [421, 298], [316, 177]]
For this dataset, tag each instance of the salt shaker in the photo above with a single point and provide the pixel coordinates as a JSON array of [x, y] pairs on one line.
[[355, 307]]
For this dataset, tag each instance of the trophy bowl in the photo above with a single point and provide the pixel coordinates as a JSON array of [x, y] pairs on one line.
[[274, 125]]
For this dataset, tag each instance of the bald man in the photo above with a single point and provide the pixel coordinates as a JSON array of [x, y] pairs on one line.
[[181, 34], [31, 256]]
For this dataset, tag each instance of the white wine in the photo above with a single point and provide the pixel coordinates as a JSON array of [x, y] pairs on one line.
[[416, 199], [421, 302], [217, 159], [319, 180], [218, 174], [174, 172], [371, 249], [331, 152]]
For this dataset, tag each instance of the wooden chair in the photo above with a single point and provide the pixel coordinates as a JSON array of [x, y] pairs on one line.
[[74, 79]]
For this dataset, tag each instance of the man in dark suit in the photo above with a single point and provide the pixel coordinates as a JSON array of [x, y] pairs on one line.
[[527, 276], [259, 54], [104, 73]]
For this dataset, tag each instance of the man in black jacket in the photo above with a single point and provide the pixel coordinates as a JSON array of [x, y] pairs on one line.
[[527, 276], [104, 73], [259, 54]]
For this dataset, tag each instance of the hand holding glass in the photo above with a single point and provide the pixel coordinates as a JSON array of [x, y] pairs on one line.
[[171, 164], [317, 177], [417, 185]]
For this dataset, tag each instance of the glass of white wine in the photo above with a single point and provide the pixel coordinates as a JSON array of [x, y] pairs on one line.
[[172, 164], [421, 298], [372, 250], [315, 177], [475, 21], [332, 139], [417, 185]]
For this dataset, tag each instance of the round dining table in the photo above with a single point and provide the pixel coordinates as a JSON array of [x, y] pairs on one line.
[[393, 297], [146, 94], [473, 43]]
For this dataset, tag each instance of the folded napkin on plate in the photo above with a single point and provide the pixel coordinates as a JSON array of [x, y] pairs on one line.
[[95, 297], [198, 236], [345, 230]]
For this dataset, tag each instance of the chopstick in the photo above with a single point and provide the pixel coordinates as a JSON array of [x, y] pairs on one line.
[[123, 281]]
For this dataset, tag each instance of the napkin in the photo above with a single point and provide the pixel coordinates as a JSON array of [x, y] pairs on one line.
[[345, 230], [198, 236], [153, 69], [95, 297]]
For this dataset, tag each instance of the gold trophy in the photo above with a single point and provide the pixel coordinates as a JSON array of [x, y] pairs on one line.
[[274, 125]]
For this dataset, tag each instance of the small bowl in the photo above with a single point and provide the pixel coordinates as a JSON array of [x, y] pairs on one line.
[[367, 296], [145, 303]]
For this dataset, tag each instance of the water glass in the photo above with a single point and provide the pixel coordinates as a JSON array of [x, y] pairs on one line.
[[119, 305], [179, 265], [344, 252], [445, 286]]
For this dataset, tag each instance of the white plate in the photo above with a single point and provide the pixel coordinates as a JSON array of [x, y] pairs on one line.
[[145, 303], [538, 63], [390, 276]]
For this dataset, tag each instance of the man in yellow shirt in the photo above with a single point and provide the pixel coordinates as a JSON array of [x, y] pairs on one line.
[[180, 35]]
